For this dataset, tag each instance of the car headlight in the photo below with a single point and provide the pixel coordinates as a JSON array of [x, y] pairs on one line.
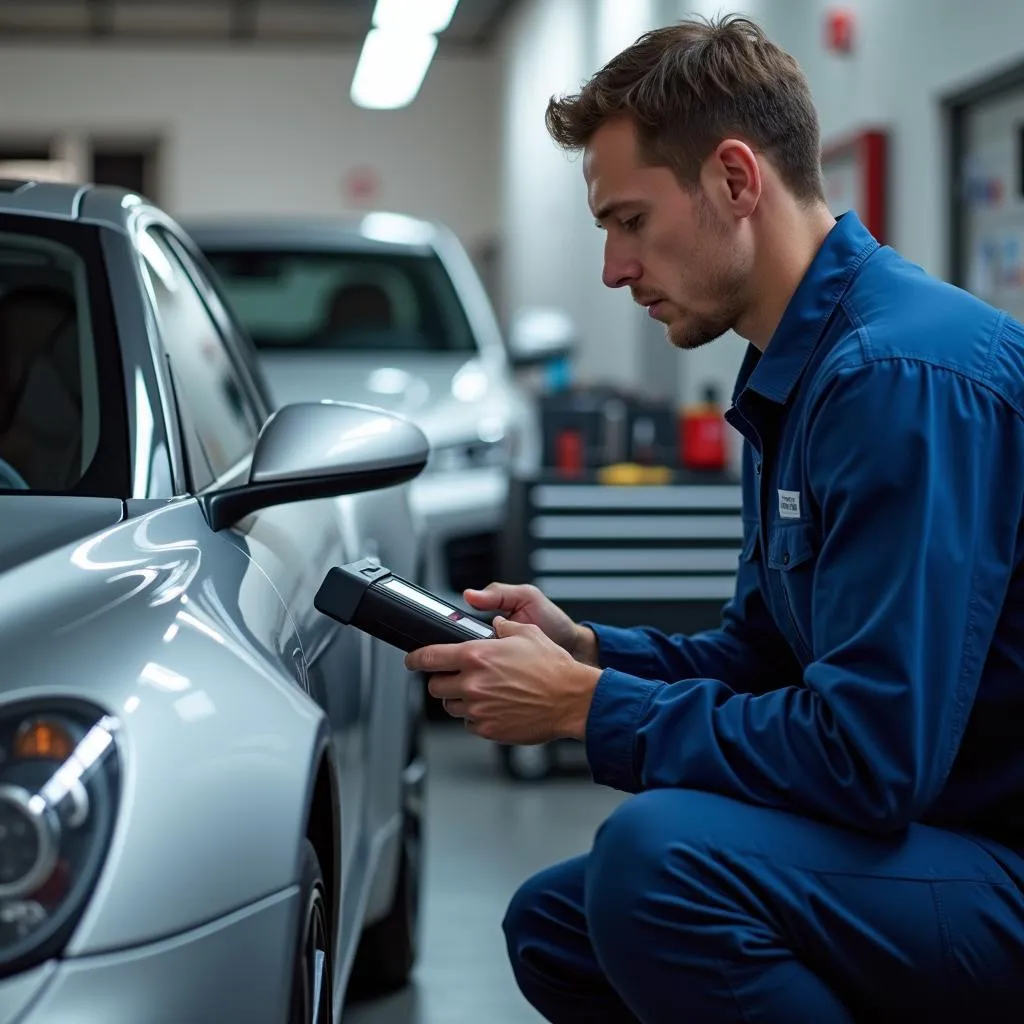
[[476, 454], [58, 799]]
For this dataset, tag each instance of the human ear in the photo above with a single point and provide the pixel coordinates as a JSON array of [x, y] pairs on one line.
[[731, 176]]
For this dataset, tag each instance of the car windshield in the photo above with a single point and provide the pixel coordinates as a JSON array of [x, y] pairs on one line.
[[343, 301], [61, 402]]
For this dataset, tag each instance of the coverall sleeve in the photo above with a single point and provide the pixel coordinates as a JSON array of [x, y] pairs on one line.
[[747, 652], [916, 474]]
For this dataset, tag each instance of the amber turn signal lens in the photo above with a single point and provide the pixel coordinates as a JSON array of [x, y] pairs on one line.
[[40, 738]]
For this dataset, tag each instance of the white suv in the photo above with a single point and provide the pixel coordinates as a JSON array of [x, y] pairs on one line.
[[389, 310]]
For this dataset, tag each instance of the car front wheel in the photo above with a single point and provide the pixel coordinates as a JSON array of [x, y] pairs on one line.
[[313, 971]]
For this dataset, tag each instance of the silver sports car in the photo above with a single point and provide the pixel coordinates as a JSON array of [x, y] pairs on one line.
[[210, 793]]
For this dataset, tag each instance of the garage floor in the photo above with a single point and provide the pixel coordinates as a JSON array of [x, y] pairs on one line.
[[486, 835]]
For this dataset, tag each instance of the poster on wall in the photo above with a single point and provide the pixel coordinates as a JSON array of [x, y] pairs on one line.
[[993, 211], [856, 176]]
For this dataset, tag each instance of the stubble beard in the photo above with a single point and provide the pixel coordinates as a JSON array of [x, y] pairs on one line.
[[692, 334], [694, 331]]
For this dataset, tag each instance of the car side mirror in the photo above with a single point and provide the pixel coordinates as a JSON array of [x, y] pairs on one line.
[[540, 336], [315, 450]]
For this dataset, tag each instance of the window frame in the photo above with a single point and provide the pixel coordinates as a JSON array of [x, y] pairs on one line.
[[237, 343], [201, 478]]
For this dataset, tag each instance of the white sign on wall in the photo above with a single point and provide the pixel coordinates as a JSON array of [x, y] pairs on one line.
[[843, 186], [855, 175]]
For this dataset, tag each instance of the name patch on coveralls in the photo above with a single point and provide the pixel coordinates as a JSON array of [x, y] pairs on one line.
[[789, 504]]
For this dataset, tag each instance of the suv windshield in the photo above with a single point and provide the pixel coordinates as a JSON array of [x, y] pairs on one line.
[[61, 401], [343, 301]]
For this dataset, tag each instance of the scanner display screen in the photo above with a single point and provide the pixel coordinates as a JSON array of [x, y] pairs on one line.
[[445, 611]]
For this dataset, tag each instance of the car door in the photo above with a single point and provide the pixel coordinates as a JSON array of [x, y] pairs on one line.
[[293, 544]]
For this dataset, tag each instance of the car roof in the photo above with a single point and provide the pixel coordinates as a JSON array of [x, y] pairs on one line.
[[102, 204], [371, 231]]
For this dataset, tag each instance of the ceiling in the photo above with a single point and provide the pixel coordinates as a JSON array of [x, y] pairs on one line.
[[339, 23]]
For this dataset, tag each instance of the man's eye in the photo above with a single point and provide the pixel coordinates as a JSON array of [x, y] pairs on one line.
[[633, 224]]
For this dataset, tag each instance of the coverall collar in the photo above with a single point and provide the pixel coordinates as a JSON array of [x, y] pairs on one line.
[[775, 373]]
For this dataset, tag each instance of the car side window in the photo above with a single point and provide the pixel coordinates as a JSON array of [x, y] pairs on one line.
[[209, 391], [241, 349]]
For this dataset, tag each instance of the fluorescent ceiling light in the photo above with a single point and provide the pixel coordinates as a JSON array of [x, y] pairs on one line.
[[391, 68], [430, 16]]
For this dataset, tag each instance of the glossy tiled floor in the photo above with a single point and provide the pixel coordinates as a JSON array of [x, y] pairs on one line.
[[486, 834]]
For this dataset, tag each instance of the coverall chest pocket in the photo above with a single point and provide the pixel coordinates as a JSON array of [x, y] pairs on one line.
[[793, 554]]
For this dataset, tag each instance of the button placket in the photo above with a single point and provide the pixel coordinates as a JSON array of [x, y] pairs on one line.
[[787, 551]]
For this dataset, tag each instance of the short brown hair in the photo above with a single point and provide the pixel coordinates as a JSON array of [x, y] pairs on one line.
[[690, 85]]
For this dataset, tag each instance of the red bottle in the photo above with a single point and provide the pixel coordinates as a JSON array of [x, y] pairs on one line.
[[570, 453], [702, 442]]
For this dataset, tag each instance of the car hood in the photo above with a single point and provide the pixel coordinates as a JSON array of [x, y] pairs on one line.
[[449, 397], [34, 524], [64, 561]]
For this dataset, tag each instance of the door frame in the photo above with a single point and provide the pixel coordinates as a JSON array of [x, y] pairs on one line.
[[958, 106], [150, 145]]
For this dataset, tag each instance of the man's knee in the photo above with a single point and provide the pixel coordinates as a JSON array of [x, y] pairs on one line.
[[543, 905], [654, 847], [633, 841], [645, 827], [520, 915]]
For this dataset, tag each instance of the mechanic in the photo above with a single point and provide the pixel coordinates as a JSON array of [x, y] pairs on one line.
[[828, 819]]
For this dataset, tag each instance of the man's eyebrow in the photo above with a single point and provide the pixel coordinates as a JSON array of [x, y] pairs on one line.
[[614, 207]]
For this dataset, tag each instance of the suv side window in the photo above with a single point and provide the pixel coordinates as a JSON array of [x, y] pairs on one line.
[[209, 392]]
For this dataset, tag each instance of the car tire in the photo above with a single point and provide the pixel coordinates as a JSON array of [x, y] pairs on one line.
[[389, 947], [528, 763], [312, 996]]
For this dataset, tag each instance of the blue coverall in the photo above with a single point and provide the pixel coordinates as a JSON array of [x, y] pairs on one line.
[[829, 824]]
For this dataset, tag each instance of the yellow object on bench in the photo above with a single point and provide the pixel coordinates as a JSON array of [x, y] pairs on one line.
[[633, 474]]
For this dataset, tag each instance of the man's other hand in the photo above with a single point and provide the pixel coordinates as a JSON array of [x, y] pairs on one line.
[[521, 688], [524, 603]]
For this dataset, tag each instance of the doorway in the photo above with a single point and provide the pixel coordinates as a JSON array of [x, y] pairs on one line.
[[986, 214], [126, 163]]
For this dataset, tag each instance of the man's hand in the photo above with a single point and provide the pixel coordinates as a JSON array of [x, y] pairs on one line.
[[526, 604], [521, 688]]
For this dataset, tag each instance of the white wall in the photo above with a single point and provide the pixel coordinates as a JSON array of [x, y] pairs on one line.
[[553, 251], [272, 130], [908, 55]]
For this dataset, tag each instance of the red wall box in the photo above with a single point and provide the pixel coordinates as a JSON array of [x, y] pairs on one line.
[[839, 30], [856, 175]]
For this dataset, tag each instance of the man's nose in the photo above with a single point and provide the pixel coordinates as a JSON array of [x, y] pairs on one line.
[[619, 271]]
